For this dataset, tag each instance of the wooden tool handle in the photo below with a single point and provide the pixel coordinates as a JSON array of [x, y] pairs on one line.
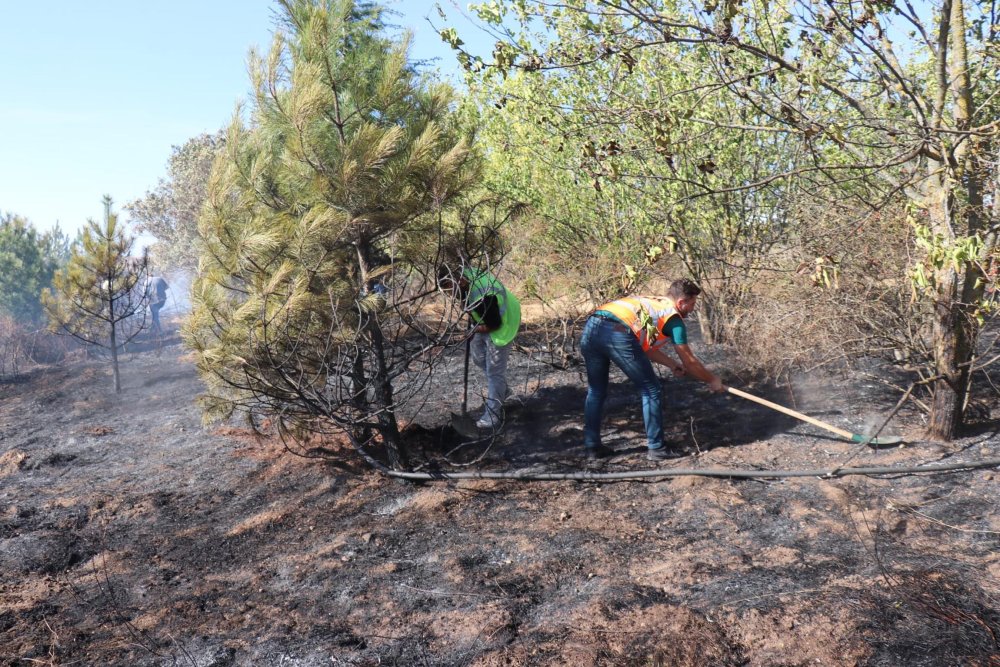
[[792, 413]]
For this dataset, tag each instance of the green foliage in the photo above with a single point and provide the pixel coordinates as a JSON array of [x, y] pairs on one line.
[[170, 211], [629, 155], [942, 255], [98, 297], [28, 261], [716, 117], [348, 162]]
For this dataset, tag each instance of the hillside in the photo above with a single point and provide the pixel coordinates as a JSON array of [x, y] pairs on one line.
[[131, 535]]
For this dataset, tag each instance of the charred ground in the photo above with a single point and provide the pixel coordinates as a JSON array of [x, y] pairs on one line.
[[130, 534]]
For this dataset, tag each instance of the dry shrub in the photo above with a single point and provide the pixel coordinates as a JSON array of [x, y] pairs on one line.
[[45, 347], [21, 346], [12, 354], [554, 297], [836, 291], [837, 294], [776, 335], [559, 288], [548, 269]]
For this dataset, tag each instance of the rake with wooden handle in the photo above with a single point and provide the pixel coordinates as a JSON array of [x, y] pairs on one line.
[[853, 437]]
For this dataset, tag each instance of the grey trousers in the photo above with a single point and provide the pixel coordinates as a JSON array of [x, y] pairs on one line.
[[493, 362]]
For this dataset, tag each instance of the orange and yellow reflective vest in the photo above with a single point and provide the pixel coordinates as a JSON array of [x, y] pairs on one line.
[[645, 316]]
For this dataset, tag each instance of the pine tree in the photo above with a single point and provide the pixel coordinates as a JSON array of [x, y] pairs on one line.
[[337, 184], [27, 263], [98, 298]]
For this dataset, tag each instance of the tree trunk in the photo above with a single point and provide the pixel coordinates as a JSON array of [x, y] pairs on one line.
[[359, 396], [955, 330], [384, 401], [114, 356], [954, 337], [946, 417], [708, 318]]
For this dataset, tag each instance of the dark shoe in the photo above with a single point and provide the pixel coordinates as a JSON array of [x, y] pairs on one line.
[[599, 452], [663, 454]]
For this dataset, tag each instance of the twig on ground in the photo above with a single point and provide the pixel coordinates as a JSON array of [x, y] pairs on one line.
[[696, 447], [892, 507], [772, 595]]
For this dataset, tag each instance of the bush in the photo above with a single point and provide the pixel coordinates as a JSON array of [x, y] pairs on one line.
[[11, 347], [838, 295]]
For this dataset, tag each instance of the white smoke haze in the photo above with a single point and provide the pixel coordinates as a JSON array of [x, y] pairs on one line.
[[179, 294], [178, 280], [816, 399], [826, 401]]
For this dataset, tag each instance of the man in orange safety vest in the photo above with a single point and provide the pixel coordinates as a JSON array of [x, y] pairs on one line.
[[633, 333]]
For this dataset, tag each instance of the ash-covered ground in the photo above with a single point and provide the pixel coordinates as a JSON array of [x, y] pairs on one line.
[[132, 535]]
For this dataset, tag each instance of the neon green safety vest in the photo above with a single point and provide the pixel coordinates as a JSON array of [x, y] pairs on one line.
[[483, 284]]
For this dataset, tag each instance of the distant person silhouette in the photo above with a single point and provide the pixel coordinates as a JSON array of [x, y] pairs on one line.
[[156, 292]]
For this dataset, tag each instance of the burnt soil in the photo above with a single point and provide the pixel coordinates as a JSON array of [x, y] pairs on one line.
[[132, 535]]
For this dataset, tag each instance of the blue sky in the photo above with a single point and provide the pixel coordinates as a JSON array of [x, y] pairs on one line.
[[95, 93]]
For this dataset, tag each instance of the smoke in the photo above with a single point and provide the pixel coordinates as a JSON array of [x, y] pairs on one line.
[[851, 405], [179, 294]]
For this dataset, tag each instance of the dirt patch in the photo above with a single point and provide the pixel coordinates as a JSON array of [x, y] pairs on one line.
[[132, 535], [11, 461]]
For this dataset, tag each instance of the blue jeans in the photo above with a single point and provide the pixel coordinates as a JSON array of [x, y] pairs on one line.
[[602, 342]]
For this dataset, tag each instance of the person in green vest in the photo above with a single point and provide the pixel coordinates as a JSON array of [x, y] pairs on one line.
[[496, 318]]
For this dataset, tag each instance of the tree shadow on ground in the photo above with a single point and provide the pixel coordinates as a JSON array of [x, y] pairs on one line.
[[546, 428], [543, 423]]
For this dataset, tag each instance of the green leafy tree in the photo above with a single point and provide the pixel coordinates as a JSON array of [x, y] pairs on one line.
[[99, 296], [599, 150], [28, 261], [336, 188], [883, 99], [170, 211]]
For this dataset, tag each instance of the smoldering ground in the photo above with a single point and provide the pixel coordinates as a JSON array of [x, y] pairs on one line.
[[131, 534]]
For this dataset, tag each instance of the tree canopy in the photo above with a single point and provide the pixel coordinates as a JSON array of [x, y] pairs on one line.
[[336, 177], [28, 261], [99, 296], [717, 123], [170, 211]]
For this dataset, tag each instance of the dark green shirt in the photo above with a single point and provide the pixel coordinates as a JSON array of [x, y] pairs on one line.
[[676, 330]]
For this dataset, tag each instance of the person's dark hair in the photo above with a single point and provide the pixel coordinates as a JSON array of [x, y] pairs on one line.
[[446, 274], [682, 288]]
